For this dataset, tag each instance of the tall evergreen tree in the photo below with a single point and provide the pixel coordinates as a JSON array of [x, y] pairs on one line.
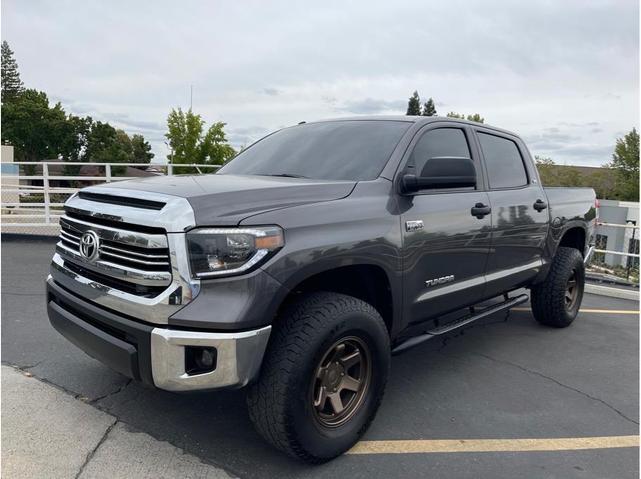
[[11, 84], [414, 104], [429, 109]]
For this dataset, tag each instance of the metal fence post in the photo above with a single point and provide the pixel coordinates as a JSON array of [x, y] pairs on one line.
[[108, 173], [45, 184], [631, 244]]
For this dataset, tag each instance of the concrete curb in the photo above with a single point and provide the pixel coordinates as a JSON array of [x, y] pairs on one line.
[[48, 433], [612, 292]]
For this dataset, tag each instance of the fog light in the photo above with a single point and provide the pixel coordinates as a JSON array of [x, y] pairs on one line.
[[199, 360]]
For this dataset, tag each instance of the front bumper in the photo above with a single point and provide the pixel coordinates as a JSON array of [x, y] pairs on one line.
[[156, 356]]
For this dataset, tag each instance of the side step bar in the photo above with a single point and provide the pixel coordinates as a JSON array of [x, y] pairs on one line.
[[416, 340]]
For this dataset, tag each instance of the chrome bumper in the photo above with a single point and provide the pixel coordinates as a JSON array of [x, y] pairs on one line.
[[239, 356], [154, 355]]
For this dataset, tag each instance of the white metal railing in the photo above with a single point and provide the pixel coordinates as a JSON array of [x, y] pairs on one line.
[[48, 212], [613, 225], [618, 253], [45, 213], [610, 267]]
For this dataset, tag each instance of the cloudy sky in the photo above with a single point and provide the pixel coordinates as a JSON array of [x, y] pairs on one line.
[[564, 74]]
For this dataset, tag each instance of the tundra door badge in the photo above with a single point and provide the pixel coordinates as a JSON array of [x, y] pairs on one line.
[[442, 280]]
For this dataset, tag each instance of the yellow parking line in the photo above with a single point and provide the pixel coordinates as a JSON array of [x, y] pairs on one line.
[[493, 445], [596, 311]]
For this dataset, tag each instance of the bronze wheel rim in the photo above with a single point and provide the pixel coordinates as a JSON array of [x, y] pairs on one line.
[[571, 292], [341, 381]]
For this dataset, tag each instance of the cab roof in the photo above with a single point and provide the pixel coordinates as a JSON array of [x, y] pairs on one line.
[[419, 120]]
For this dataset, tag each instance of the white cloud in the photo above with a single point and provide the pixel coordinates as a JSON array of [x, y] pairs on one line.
[[524, 66]]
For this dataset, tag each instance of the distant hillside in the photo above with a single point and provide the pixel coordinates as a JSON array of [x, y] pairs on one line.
[[603, 180]]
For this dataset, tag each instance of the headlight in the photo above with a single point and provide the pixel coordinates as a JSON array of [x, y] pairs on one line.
[[228, 251]]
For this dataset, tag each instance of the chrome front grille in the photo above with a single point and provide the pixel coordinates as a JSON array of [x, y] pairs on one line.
[[125, 256], [142, 268]]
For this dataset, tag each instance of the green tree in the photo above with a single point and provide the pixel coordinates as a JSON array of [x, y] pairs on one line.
[[189, 144], [106, 144], [76, 137], [74, 143], [545, 166], [602, 183], [569, 176], [552, 174], [475, 117], [429, 109], [11, 84], [184, 132], [215, 149], [625, 162], [37, 131], [141, 149], [414, 104]]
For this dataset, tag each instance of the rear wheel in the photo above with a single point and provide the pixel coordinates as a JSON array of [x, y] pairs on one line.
[[556, 301], [323, 376]]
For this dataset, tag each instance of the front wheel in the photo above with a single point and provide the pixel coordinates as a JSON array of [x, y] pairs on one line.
[[556, 301], [323, 376]]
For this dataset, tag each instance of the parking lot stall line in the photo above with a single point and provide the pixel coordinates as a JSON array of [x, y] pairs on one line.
[[493, 445]]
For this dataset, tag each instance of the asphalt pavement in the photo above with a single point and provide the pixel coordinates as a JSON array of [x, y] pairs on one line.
[[508, 380]]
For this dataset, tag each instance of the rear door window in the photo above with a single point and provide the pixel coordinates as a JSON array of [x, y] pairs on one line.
[[503, 161]]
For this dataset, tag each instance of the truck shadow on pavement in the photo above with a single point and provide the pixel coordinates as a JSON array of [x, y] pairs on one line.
[[215, 426]]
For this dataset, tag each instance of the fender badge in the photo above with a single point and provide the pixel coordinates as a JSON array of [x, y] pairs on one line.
[[414, 225]]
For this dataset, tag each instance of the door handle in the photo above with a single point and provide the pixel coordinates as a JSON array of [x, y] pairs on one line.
[[480, 210], [540, 205]]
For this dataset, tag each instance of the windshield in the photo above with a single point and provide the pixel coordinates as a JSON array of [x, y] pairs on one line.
[[335, 150]]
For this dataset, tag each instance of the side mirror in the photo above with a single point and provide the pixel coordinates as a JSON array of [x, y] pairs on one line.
[[441, 172]]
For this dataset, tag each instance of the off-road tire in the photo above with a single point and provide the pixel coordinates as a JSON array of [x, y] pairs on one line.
[[549, 304], [279, 402]]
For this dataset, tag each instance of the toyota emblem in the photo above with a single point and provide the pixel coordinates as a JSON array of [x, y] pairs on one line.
[[89, 245]]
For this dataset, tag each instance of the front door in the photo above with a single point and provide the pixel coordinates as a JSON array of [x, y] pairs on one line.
[[445, 247]]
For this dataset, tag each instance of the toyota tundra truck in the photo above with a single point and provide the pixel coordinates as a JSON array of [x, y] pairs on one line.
[[307, 261]]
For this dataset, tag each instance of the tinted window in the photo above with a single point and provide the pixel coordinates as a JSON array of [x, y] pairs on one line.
[[337, 150], [503, 161], [440, 142]]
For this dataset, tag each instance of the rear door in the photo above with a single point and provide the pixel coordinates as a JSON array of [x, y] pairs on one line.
[[445, 248], [520, 213]]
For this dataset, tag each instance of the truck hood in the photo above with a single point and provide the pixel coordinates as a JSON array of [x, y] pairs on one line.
[[228, 199]]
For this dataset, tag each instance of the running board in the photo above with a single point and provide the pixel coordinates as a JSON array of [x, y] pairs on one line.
[[416, 340]]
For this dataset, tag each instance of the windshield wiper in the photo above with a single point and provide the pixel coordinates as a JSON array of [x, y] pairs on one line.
[[288, 175]]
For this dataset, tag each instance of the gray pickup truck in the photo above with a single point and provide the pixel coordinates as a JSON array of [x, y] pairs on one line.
[[303, 264]]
